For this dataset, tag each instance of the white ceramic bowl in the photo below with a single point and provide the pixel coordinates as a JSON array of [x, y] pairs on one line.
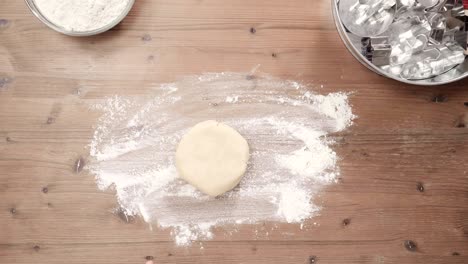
[[32, 6]]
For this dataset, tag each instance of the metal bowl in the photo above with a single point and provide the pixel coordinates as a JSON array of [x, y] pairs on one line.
[[32, 6], [353, 43]]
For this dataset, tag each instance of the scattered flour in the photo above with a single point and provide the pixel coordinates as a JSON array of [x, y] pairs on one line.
[[285, 124], [232, 99], [82, 15]]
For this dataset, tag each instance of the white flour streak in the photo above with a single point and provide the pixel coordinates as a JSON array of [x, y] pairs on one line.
[[232, 99], [284, 122]]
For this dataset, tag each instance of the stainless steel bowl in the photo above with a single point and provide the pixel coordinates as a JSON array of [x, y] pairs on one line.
[[353, 43], [32, 6]]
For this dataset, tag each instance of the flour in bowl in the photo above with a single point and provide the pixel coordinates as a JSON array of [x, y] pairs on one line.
[[82, 15]]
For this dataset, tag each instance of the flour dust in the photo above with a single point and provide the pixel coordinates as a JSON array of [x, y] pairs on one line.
[[285, 123]]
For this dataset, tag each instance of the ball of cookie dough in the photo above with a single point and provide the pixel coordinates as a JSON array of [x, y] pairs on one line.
[[212, 157]]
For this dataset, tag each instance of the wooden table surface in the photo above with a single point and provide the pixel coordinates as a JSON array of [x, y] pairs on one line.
[[402, 197]]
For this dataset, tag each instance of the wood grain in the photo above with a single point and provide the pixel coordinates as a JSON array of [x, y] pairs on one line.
[[403, 164]]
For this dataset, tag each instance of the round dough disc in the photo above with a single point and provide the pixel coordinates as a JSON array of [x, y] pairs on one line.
[[212, 157]]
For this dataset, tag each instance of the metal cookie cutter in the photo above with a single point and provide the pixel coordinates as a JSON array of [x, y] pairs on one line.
[[438, 24], [432, 4], [367, 18], [420, 67], [377, 50]]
